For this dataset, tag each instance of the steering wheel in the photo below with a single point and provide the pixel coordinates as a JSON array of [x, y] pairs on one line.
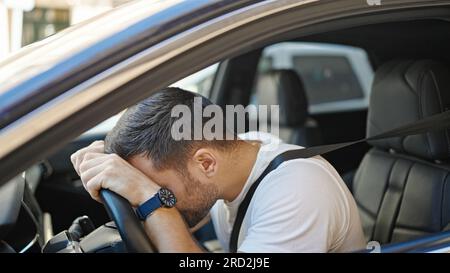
[[129, 226]]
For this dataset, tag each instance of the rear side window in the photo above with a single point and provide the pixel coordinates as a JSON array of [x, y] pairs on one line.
[[327, 78], [335, 77], [265, 64]]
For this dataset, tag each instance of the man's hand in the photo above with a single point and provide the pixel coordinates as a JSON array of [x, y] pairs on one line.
[[98, 170], [166, 227]]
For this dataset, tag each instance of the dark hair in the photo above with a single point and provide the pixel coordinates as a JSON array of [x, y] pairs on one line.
[[145, 128]]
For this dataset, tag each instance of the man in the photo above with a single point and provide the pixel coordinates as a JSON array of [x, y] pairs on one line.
[[302, 206]]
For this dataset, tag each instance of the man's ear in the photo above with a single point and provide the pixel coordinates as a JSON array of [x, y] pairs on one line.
[[206, 160]]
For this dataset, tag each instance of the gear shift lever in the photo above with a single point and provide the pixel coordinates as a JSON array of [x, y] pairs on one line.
[[81, 227]]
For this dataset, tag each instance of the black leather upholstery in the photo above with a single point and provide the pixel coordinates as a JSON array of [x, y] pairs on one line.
[[402, 186], [406, 91], [285, 88]]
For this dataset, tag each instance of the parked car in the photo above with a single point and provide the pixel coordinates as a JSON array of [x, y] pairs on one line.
[[53, 91]]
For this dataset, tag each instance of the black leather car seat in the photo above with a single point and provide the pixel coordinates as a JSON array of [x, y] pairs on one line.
[[402, 186], [285, 88]]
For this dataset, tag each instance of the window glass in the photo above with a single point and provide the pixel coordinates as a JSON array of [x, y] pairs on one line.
[[327, 78], [335, 77], [200, 82]]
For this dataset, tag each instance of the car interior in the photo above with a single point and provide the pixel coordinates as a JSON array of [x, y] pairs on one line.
[[401, 185]]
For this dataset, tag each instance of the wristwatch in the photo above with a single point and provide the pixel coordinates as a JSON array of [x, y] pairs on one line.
[[163, 198]]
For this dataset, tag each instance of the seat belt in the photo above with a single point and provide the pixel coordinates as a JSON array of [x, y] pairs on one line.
[[431, 123]]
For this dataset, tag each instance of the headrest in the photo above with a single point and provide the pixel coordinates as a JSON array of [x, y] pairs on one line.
[[285, 88], [406, 91]]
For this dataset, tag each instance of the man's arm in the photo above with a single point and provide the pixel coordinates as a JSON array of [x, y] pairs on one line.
[[165, 227], [169, 233], [200, 224]]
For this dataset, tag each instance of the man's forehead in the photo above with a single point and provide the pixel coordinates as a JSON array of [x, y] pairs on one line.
[[145, 164], [142, 162]]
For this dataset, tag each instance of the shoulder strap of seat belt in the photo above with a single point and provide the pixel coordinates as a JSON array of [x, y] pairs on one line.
[[432, 123]]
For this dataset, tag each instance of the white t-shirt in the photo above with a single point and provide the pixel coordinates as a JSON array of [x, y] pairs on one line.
[[302, 206]]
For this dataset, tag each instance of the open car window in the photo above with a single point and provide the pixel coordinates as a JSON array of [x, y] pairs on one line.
[[200, 82]]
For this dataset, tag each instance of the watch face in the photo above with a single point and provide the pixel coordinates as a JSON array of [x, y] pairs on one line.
[[167, 197]]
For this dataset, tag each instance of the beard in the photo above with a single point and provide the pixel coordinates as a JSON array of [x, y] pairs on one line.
[[200, 198]]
